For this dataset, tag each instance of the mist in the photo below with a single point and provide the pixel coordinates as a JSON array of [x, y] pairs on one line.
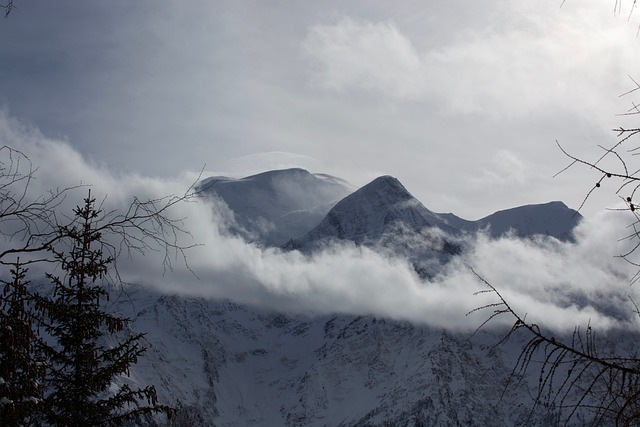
[[556, 284]]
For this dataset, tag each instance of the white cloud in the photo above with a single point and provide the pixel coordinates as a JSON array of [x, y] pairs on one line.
[[534, 59], [506, 170], [272, 160], [556, 284], [374, 57]]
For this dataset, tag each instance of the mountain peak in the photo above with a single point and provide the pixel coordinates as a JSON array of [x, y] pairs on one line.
[[291, 172], [274, 206], [386, 179], [389, 185], [384, 192], [368, 212], [550, 219]]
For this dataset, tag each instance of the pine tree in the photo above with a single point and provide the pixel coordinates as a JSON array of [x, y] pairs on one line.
[[20, 372], [82, 366]]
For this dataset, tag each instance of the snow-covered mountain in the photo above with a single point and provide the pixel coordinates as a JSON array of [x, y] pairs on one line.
[[368, 213], [275, 206], [549, 219], [226, 364], [375, 209], [223, 364], [384, 215], [299, 210]]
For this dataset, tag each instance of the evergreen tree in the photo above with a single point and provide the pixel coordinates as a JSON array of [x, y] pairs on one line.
[[82, 366], [20, 372]]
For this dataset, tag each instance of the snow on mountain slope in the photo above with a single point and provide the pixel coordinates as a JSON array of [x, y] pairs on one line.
[[549, 219], [230, 365], [226, 364], [298, 210], [368, 212], [374, 210], [272, 207], [384, 214]]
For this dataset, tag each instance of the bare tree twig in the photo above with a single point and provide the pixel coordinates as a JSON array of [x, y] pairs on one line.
[[8, 7]]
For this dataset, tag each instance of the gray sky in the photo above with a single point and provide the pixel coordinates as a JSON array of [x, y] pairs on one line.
[[462, 101]]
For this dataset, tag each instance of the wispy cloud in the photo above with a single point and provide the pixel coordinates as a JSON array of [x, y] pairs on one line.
[[374, 57], [556, 284], [505, 170], [508, 69]]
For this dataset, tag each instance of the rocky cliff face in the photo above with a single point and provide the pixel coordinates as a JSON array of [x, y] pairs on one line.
[[229, 365]]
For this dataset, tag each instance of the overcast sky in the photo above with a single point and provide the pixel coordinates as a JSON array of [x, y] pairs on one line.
[[462, 101]]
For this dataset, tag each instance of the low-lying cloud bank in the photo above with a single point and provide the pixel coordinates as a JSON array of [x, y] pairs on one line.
[[556, 284]]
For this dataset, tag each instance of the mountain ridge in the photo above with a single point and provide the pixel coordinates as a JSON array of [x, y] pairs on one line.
[[383, 212], [364, 215], [368, 212], [229, 364]]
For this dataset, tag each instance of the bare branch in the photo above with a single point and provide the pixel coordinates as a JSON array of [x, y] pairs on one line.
[[8, 7], [566, 366]]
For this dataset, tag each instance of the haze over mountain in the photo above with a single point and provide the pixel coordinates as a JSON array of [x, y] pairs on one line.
[[306, 208], [275, 206], [297, 210], [222, 362], [229, 364]]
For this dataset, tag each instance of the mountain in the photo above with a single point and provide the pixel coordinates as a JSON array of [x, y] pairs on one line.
[[295, 209], [275, 206], [384, 215], [223, 364], [365, 215], [549, 219], [226, 364]]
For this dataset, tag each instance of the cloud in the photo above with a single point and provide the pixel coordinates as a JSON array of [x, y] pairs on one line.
[[424, 91], [558, 285], [534, 59], [506, 171], [271, 160], [374, 57]]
